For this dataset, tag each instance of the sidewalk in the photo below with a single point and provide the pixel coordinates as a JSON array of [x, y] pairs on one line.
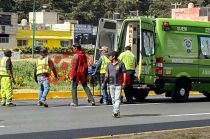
[[25, 94]]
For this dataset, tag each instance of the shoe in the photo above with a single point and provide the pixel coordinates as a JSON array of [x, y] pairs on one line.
[[39, 103], [116, 114], [3, 104], [43, 103], [106, 103], [93, 103], [88, 101], [101, 100], [11, 105], [73, 104]]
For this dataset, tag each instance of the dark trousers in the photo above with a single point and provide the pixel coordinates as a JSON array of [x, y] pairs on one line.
[[85, 87], [128, 90]]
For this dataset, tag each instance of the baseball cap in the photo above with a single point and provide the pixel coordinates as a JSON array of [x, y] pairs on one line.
[[104, 48]]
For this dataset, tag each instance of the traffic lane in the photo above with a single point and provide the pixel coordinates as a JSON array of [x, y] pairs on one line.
[[29, 118], [108, 131]]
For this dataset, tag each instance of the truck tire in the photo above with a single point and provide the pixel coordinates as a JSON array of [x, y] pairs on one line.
[[181, 91], [207, 94], [140, 95]]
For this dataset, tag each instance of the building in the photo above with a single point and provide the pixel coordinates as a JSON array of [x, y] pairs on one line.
[[46, 36], [8, 30], [44, 17], [47, 32], [192, 13]]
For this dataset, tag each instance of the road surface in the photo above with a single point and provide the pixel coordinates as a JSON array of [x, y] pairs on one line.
[[62, 121]]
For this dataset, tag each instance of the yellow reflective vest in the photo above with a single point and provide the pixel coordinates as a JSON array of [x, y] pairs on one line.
[[128, 59], [104, 63], [42, 66], [3, 70]]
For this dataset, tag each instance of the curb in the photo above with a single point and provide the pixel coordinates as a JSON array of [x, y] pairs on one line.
[[17, 95]]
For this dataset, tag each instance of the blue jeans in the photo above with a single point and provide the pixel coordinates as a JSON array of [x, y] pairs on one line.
[[104, 89], [44, 87], [115, 91]]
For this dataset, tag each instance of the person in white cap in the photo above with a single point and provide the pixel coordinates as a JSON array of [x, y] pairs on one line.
[[101, 66]]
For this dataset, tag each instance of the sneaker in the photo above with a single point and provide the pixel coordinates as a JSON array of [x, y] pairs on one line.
[[116, 114], [106, 103], [11, 105], [73, 104], [101, 100], [3, 104], [39, 103], [43, 103], [93, 103]]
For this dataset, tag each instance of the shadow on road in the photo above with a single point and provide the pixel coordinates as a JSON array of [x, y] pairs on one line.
[[168, 100], [139, 115]]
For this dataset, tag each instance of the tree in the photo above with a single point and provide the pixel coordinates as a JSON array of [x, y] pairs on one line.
[[6, 5]]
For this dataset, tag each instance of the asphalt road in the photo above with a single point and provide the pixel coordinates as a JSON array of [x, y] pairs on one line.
[[60, 121]]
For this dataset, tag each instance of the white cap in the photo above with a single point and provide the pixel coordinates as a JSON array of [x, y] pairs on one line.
[[104, 48]]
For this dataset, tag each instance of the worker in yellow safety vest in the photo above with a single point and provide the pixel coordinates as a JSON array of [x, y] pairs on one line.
[[7, 78], [42, 68], [101, 66], [128, 58]]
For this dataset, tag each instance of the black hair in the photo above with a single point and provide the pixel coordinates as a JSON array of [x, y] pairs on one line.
[[78, 46], [43, 51], [115, 54], [8, 53], [127, 48]]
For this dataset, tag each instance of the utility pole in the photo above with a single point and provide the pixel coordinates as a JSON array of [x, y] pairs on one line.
[[33, 28], [176, 5]]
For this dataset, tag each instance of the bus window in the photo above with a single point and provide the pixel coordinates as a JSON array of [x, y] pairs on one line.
[[205, 47], [148, 43]]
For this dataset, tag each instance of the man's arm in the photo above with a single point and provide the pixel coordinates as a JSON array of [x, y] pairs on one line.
[[124, 74], [35, 70], [121, 56], [106, 74], [74, 63], [9, 69], [98, 65], [52, 67]]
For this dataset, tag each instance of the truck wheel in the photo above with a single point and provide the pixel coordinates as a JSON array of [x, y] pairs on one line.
[[207, 94], [181, 91], [140, 94]]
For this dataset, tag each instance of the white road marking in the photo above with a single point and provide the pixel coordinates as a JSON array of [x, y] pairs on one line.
[[189, 114], [1, 126]]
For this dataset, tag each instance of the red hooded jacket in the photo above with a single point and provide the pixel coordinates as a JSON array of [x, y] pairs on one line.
[[79, 69]]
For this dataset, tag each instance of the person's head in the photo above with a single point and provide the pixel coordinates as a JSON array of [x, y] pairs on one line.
[[77, 46], [43, 52], [113, 56], [128, 48], [8, 53], [104, 49]]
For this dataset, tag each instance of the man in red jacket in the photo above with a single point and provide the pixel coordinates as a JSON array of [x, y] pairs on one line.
[[78, 74]]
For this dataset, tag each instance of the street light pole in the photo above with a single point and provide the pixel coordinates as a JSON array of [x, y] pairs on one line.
[[33, 28]]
